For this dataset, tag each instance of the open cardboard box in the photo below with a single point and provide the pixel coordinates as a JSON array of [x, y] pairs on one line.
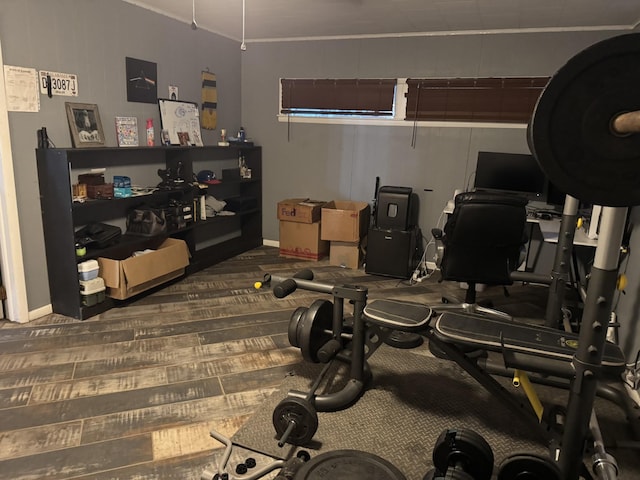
[[133, 275], [345, 221]]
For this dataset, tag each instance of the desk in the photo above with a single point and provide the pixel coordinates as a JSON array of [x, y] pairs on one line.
[[550, 229]]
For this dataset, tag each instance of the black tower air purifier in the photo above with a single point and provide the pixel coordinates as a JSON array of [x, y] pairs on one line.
[[393, 253], [396, 208], [394, 245]]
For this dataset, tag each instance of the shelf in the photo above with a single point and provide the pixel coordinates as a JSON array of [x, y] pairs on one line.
[[133, 200], [209, 241]]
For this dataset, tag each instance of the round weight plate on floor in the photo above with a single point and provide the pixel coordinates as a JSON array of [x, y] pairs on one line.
[[464, 448], [571, 130], [400, 339], [314, 329], [450, 475], [528, 467], [294, 323], [304, 416], [348, 465]]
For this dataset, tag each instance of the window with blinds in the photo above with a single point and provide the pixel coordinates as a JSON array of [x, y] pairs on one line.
[[338, 97], [507, 100]]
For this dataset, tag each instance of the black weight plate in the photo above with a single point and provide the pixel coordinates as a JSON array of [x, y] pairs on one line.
[[570, 131], [404, 340], [465, 449], [348, 465], [294, 324], [450, 475], [313, 328], [302, 413], [528, 467]]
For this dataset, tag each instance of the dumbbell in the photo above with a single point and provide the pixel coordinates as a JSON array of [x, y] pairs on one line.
[[529, 467], [295, 419], [461, 455]]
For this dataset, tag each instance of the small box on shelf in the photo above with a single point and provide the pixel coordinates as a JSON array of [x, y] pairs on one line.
[[92, 291], [88, 270]]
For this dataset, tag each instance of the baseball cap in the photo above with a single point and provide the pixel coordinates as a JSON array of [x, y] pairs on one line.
[[207, 176]]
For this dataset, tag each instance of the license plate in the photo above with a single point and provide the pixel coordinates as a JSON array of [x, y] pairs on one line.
[[65, 84]]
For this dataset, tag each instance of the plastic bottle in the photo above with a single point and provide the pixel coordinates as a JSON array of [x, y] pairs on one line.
[[241, 135], [150, 133]]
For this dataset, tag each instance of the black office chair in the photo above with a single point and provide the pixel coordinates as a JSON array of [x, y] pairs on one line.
[[482, 243]]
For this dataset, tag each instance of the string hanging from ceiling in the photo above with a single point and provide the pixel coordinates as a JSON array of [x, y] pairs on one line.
[[243, 46]]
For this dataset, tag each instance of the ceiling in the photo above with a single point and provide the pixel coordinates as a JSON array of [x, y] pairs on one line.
[[272, 20]]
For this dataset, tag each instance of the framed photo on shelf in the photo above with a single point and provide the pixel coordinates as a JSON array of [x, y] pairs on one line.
[[85, 125], [178, 116]]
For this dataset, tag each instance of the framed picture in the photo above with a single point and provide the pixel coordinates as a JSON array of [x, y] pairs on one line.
[[142, 79], [179, 116], [85, 125], [184, 139]]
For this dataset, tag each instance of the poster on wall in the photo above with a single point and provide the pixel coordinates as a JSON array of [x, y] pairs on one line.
[[209, 101], [21, 86], [142, 80]]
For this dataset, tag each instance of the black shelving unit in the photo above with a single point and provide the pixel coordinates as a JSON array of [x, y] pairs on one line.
[[210, 241]]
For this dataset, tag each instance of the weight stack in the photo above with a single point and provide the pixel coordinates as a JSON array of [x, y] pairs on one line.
[[393, 253]]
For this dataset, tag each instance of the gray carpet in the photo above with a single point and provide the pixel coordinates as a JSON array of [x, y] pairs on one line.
[[411, 400]]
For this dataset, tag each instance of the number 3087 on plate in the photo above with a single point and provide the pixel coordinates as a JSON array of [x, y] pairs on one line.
[[61, 83]]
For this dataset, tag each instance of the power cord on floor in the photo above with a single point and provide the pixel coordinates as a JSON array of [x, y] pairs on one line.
[[422, 271]]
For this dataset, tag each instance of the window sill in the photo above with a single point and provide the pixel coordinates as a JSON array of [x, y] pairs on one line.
[[389, 122]]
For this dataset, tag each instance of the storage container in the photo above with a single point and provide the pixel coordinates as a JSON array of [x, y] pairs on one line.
[[133, 275], [88, 270], [92, 291]]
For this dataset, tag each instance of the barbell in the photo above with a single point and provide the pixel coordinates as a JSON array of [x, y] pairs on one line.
[[585, 125]]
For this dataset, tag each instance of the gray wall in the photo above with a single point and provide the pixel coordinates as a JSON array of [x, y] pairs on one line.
[[91, 38], [342, 162]]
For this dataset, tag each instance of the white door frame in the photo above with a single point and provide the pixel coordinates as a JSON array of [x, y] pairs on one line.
[[12, 264]]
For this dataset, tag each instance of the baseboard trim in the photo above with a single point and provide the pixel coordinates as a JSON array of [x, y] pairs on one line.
[[40, 312], [271, 243]]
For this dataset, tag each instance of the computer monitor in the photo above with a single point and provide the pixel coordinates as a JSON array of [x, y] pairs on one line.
[[510, 173], [555, 196]]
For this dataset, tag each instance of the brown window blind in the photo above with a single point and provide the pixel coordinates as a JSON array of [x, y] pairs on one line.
[[338, 96], [508, 100]]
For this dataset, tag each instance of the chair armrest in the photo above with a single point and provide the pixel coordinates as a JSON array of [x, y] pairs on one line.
[[438, 236]]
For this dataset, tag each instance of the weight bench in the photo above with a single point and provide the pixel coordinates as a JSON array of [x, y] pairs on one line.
[[526, 347]]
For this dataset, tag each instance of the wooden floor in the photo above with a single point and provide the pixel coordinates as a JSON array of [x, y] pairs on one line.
[[134, 392]]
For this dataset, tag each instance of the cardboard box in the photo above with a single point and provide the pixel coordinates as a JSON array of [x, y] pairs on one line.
[[345, 221], [133, 275], [348, 254], [302, 240], [301, 210]]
